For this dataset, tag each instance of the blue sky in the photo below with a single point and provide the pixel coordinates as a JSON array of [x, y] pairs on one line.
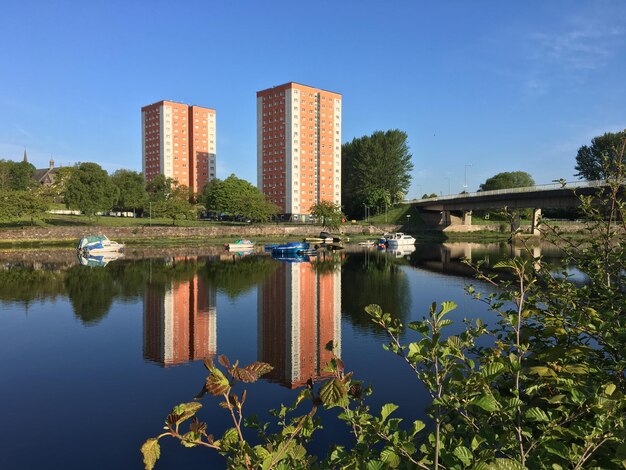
[[500, 86]]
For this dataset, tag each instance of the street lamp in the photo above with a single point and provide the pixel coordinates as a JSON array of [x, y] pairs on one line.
[[465, 184], [366, 213], [408, 220]]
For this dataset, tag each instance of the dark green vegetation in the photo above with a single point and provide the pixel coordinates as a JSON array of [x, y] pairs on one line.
[[593, 161], [542, 386], [508, 179], [376, 171], [237, 197]]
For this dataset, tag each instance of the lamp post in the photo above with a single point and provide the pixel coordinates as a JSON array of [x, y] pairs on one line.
[[366, 213], [150, 213], [408, 220], [465, 181]]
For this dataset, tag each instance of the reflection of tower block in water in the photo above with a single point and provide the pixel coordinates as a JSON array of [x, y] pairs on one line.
[[299, 315], [179, 322]]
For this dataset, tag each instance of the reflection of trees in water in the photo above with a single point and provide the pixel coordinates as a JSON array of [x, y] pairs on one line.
[[27, 284], [91, 293], [236, 278], [373, 278]]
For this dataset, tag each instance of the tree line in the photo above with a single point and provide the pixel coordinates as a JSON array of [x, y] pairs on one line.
[[88, 188]]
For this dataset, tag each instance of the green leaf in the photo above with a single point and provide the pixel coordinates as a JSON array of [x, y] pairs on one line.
[[492, 369], [151, 452], [464, 454], [375, 465], [387, 409], [183, 412], [374, 310], [216, 383], [389, 457], [536, 414], [446, 307], [506, 464], [444, 323], [486, 402], [609, 389], [542, 371], [557, 448], [417, 427], [334, 393]]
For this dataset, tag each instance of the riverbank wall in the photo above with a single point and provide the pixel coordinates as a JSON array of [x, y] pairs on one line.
[[44, 235], [73, 233]]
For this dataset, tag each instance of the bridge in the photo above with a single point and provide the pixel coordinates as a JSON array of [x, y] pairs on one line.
[[547, 196]]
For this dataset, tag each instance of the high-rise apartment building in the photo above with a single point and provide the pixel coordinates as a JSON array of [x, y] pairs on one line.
[[299, 147], [178, 141]]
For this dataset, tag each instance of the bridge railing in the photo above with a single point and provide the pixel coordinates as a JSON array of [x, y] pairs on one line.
[[525, 189]]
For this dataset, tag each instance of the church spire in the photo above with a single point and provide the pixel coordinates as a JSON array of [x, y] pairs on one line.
[[25, 156]]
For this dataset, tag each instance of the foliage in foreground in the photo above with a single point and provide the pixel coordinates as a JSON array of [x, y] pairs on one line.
[[544, 388]]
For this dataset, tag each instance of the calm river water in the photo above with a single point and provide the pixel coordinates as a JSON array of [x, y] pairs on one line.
[[94, 357]]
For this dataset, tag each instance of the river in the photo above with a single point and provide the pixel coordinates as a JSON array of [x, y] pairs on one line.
[[95, 356]]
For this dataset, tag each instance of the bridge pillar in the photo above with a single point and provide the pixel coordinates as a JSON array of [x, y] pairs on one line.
[[536, 220], [445, 217], [467, 217]]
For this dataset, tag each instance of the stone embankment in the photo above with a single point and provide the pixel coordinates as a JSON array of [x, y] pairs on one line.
[[60, 234]]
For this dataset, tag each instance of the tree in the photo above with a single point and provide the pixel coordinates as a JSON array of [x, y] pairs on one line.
[[373, 166], [175, 206], [508, 179], [594, 162], [16, 176], [328, 213], [236, 196], [159, 188], [90, 189], [429, 196], [132, 189], [56, 190]]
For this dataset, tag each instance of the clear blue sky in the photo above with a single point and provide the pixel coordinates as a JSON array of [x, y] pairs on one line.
[[502, 86]]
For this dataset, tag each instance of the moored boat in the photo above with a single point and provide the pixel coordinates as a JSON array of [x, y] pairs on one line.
[[399, 239], [98, 244], [240, 245]]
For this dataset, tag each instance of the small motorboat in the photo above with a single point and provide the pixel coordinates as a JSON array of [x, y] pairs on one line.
[[98, 244], [240, 245], [399, 239]]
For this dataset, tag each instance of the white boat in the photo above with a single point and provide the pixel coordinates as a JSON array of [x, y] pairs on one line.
[[399, 239], [240, 245], [98, 244]]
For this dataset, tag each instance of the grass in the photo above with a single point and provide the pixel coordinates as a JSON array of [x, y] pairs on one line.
[[397, 216], [57, 220]]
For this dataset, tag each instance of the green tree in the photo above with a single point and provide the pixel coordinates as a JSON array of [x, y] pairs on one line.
[[595, 161], [176, 206], [90, 189], [132, 190], [159, 188], [56, 191], [508, 179], [236, 196], [22, 176], [375, 165], [429, 196], [16, 176], [328, 213]]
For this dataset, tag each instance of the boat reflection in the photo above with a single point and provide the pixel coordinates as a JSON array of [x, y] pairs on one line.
[[99, 260], [401, 251]]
